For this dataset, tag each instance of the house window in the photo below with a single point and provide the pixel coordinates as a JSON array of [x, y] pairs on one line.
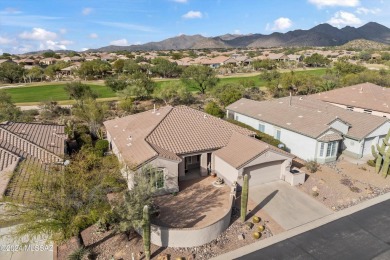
[[261, 128], [334, 145], [277, 134], [331, 150], [322, 149], [157, 178]]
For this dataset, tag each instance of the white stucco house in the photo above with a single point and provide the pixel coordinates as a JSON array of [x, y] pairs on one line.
[[312, 129], [182, 142], [364, 98]]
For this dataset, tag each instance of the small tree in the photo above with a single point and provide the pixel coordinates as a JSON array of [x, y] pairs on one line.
[[173, 92], [8, 111], [91, 112], [199, 77], [62, 204], [129, 209], [79, 91]]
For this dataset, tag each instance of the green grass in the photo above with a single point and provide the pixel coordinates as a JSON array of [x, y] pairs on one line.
[[55, 92], [51, 93]]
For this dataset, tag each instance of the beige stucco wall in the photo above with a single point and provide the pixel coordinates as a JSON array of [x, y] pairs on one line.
[[225, 170], [190, 237], [171, 171]]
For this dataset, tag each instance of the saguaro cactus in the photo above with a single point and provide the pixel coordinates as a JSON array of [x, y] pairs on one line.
[[244, 197], [146, 232], [382, 157]]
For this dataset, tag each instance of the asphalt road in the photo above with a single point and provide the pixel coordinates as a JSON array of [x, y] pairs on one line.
[[361, 235]]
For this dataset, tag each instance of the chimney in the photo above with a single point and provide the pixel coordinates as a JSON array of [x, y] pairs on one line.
[[290, 99], [154, 108]]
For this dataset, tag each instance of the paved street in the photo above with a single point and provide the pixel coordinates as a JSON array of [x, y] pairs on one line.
[[361, 235], [287, 205]]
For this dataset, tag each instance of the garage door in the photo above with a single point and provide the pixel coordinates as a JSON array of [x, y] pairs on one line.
[[263, 173]]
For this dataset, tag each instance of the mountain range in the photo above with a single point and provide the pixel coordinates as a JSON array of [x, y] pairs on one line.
[[320, 35]]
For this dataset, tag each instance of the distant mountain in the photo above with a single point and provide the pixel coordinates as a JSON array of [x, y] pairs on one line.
[[320, 35], [361, 44]]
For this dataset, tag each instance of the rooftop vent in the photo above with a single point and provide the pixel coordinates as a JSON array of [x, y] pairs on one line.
[[288, 123], [300, 116], [115, 125]]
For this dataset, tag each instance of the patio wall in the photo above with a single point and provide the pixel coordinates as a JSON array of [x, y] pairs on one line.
[[189, 237]]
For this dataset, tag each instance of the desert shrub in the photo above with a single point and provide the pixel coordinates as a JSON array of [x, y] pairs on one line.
[[79, 254], [312, 166], [371, 163], [101, 146], [84, 139], [315, 194], [214, 109]]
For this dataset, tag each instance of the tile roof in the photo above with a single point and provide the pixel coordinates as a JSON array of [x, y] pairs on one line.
[[42, 144], [169, 132], [129, 134], [242, 149], [330, 137], [307, 116], [365, 95]]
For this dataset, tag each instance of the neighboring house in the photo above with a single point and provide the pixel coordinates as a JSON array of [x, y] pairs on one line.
[[48, 61], [6, 61], [310, 129], [278, 57], [183, 143], [294, 57], [365, 98], [215, 62], [23, 145]]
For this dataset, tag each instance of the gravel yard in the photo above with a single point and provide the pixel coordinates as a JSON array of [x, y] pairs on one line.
[[343, 184]]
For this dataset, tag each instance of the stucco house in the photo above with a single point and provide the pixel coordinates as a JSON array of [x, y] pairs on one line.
[[311, 129], [184, 143], [365, 98]]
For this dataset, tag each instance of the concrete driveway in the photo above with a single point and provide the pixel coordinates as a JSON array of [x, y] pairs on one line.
[[288, 206]]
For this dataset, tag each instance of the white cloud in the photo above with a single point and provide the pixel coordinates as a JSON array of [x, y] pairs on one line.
[[322, 3], [84, 49], [66, 42], [180, 1], [193, 15], [87, 11], [342, 18], [52, 45], [363, 10], [237, 31], [279, 24], [4, 40], [63, 30], [93, 35], [121, 42], [10, 10], [38, 34]]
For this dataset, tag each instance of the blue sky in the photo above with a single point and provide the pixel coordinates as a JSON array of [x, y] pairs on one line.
[[27, 25]]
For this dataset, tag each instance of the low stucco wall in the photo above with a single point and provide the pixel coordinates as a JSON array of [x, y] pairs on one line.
[[190, 237]]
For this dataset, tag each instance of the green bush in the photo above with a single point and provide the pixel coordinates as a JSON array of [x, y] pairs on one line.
[[371, 163], [214, 109], [84, 139], [101, 146], [259, 135]]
